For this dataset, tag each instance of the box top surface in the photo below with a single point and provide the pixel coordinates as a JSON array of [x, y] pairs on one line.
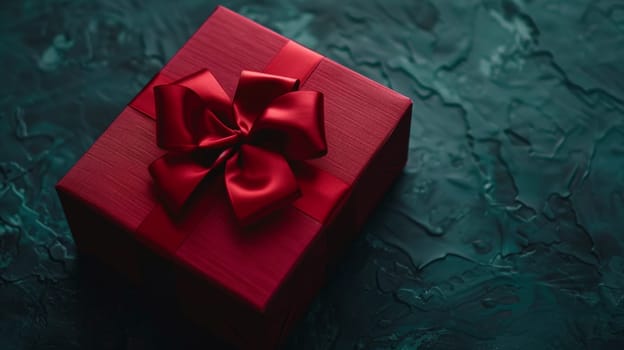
[[113, 178]]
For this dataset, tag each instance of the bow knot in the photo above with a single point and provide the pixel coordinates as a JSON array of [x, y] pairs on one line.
[[267, 124]]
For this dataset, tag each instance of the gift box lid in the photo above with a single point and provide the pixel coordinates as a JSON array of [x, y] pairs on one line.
[[112, 177]]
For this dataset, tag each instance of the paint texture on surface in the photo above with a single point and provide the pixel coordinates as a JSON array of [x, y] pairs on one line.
[[506, 230]]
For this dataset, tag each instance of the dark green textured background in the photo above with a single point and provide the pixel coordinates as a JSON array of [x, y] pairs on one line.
[[504, 232]]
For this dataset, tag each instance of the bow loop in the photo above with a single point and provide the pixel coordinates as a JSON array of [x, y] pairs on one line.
[[267, 123], [206, 86], [255, 91]]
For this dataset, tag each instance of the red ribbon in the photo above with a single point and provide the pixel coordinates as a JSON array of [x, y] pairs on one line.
[[267, 124]]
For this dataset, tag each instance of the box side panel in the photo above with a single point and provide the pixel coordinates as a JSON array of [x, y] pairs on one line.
[[95, 235], [216, 311], [375, 180], [185, 293], [385, 166]]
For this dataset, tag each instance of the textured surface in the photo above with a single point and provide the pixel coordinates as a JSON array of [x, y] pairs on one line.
[[505, 231]]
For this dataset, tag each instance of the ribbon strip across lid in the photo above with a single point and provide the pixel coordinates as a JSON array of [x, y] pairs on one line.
[[267, 124]]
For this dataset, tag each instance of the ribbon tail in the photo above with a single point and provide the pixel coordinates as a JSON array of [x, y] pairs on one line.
[[258, 182], [176, 176], [193, 112]]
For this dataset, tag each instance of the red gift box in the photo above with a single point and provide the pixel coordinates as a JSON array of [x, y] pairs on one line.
[[248, 284]]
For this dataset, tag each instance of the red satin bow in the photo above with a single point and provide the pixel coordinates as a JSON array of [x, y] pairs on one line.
[[267, 124]]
